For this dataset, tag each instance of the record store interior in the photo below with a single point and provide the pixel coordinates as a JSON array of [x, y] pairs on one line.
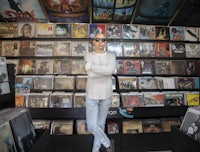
[[54, 55]]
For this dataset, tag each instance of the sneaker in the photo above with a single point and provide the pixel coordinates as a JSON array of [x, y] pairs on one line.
[[112, 146]]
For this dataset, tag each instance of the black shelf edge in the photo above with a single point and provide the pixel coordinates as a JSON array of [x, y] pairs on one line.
[[79, 113]]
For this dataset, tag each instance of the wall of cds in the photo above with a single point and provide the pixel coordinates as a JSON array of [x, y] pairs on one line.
[[157, 66]]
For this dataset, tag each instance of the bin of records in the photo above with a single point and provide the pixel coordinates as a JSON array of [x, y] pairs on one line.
[[79, 99], [191, 123], [61, 100], [81, 127], [61, 127], [23, 132], [37, 100]]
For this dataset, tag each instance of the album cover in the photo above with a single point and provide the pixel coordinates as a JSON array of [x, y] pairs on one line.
[[81, 81], [154, 99], [41, 123], [162, 33], [119, 66], [192, 50], [192, 98], [159, 82], [114, 83], [147, 67], [23, 131], [178, 50], [169, 82], [102, 14], [7, 141], [190, 67], [190, 124], [78, 66], [62, 30], [151, 126], [132, 99], [147, 49], [132, 127], [114, 31], [0, 47], [61, 100], [62, 66], [27, 48], [162, 67], [67, 11], [79, 48], [44, 30], [26, 30], [44, 48], [15, 62], [131, 49], [191, 34], [131, 31], [64, 82], [25, 79], [61, 127], [163, 50], [79, 99], [174, 99], [127, 82], [167, 123], [26, 66], [10, 48], [4, 88], [44, 66], [178, 67], [147, 32], [112, 127], [20, 100], [97, 28], [22, 11], [115, 100], [115, 48], [3, 70], [22, 88], [147, 83], [196, 82], [185, 82], [123, 13], [37, 100], [177, 33], [81, 127], [80, 30], [131, 67], [62, 48], [197, 67], [8, 30], [43, 82]]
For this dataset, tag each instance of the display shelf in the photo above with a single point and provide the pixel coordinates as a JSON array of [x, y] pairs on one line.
[[84, 142], [70, 143], [182, 142], [144, 142], [8, 100], [42, 144]]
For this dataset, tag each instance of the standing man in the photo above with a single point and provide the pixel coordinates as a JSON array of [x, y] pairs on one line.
[[100, 65]]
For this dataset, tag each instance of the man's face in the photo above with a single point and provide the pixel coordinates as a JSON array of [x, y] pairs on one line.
[[99, 42]]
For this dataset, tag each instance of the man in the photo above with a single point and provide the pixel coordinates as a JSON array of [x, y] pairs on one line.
[[100, 65]]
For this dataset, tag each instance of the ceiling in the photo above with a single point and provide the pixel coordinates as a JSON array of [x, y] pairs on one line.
[[151, 12]]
